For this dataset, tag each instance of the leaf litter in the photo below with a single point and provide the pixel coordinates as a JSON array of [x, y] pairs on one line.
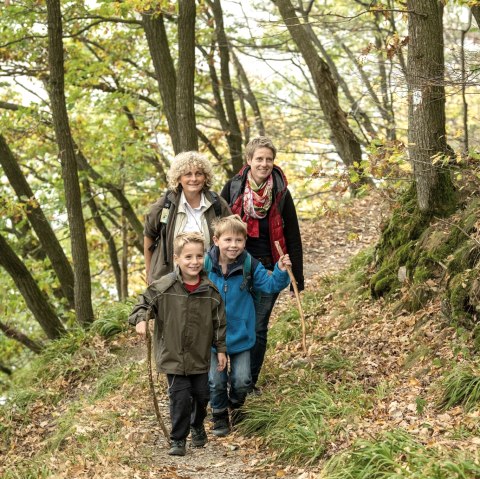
[[397, 357]]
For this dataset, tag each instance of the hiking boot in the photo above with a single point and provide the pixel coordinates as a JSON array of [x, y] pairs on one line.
[[199, 436], [177, 448], [221, 424]]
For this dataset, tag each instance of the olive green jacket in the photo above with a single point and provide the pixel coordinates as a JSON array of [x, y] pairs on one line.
[[187, 325]]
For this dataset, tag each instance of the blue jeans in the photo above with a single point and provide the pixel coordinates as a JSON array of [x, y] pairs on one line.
[[264, 304], [229, 388]]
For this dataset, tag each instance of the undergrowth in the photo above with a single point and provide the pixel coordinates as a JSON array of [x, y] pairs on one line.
[[397, 455]]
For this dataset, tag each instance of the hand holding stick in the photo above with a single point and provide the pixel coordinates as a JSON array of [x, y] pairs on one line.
[[297, 296]]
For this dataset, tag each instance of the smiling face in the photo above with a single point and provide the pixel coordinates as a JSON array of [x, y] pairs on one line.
[[192, 181], [190, 261], [261, 164], [231, 245]]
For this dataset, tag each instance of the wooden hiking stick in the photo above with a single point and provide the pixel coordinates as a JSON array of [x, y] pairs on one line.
[[150, 376], [297, 296]]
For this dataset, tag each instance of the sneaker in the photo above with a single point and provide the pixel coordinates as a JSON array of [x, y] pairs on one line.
[[177, 448], [221, 425], [199, 436]]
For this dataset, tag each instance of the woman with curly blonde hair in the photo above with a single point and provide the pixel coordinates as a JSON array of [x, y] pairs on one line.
[[188, 206]]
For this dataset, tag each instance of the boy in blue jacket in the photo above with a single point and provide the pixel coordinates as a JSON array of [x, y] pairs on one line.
[[227, 270]]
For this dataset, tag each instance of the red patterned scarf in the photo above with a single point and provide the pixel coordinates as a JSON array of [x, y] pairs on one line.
[[256, 203]]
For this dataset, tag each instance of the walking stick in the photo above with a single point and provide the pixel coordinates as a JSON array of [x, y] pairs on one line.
[[150, 376], [297, 296]]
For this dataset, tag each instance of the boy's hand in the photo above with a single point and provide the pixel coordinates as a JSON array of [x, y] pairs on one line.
[[222, 361], [141, 328], [284, 261]]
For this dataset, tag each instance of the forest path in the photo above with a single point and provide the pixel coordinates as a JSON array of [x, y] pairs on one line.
[[329, 243]]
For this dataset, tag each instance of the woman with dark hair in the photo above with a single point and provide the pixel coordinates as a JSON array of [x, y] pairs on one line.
[[188, 206], [259, 194]]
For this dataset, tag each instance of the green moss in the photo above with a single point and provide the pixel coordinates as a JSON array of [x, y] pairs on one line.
[[458, 296], [421, 274]]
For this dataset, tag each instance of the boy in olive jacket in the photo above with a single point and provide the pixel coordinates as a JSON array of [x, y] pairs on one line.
[[189, 319]]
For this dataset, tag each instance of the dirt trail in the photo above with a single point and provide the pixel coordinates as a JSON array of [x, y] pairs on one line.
[[329, 243]]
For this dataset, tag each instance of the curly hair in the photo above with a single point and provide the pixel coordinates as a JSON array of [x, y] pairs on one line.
[[185, 162], [259, 142]]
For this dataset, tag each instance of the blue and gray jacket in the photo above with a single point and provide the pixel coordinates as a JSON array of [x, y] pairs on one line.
[[238, 299]]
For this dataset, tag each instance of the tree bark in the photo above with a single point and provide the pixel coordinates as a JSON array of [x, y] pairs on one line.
[[344, 139], [476, 14], [426, 101], [157, 40], [13, 333], [187, 128], [82, 283], [36, 301], [233, 133], [39, 222], [102, 227]]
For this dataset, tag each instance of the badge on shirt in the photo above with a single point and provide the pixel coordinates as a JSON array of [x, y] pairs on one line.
[[164, 215]]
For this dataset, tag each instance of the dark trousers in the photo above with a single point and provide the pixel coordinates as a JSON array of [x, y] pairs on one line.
[[264, 304], [189, 396]]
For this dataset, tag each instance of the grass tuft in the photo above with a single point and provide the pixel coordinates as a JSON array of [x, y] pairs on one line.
[[113, 320], [397, 455], [461, 387], [299, 421]]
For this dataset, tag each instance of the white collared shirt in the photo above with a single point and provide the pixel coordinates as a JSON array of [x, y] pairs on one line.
[[194, 215]]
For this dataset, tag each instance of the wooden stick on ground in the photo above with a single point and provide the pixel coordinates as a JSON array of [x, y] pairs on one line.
[[297, 296], [150, 376]]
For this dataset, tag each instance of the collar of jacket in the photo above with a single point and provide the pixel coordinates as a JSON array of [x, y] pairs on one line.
[[232, 268], [204, 281]]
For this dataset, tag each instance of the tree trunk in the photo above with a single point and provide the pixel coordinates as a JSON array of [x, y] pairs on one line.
[[344, 139], [124, 264], [476, 14], [13, 333], [249, 96], [82, 286], [116, 192], [233, 134], [102, 227], [36, 301], [157, 40], [187, 128], [39, 222], [426, 99]]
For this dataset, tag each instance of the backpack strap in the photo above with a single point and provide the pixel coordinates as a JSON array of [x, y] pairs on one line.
[[207, 263], [247, 282], [216, 204], [164, 219]]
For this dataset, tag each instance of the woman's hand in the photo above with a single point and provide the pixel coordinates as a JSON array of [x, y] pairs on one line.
[[284, 261], [222, 361]]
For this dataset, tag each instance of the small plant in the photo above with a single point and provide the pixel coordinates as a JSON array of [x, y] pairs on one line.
[[113, 320], [299, 421], [461, 387], [334, 361]]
